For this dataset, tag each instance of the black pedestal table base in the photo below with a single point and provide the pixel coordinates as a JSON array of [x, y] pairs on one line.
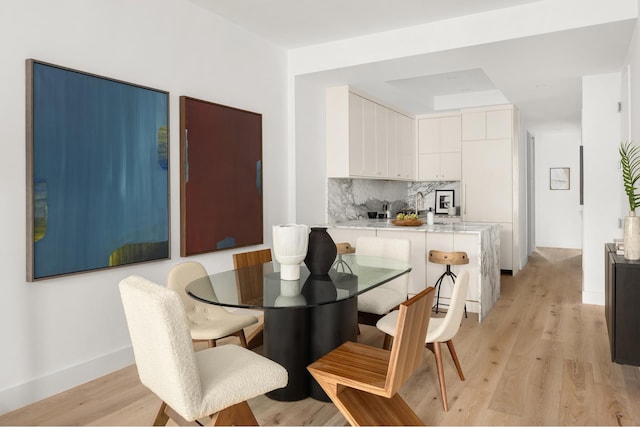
[[295, 337]]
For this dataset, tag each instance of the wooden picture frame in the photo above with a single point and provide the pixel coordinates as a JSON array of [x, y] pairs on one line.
[[97, 172], [220, 177]]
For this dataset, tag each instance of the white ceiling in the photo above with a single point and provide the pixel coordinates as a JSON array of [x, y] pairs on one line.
[[296, 23], [542, 75]]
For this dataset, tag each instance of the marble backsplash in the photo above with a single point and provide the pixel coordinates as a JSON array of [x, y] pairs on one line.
[[350, 198]]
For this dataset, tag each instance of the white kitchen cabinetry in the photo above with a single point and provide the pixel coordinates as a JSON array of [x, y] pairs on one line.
[[349, 235], [400, 146], [458, 242], [506, 246], [418, 267], [406, 147], [490, 123], [439, 144], [487, 181], [489, 174], [479, 241], [367, 139]]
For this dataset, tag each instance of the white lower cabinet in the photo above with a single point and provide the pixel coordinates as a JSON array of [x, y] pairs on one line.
[[424, 273], [506, 246], [349, 235], [418, 257]]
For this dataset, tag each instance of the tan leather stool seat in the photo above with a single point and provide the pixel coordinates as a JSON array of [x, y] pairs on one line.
[[451, 258]]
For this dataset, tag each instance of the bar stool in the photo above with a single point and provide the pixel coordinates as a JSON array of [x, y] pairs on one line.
[[448, 259]]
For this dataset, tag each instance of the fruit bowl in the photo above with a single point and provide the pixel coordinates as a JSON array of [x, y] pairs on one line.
[[407, 222]]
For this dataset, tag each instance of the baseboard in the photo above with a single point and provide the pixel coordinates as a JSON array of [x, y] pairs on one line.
[[43, 387]]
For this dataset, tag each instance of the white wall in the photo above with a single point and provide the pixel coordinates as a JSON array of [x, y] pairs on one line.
[[310, 165], [61, 332], [602, 183], [558, 212], [633, 68]]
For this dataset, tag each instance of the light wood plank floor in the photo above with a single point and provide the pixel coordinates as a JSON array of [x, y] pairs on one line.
[[539, 358]]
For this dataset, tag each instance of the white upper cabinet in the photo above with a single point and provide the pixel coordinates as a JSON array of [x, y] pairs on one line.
[[491, 123], [439, 145], [367, 139]]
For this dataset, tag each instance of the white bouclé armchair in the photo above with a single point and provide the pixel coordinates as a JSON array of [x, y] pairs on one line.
[[214, 382]]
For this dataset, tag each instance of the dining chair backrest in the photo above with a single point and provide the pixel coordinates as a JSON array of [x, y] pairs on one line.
[[161, 341], [408, 345], [181, 275], [246, 259], [448, 328]]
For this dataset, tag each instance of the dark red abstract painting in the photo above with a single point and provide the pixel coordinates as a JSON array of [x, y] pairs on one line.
[[220, 177]]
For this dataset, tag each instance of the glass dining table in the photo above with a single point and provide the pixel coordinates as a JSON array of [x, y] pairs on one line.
[[303, 319]]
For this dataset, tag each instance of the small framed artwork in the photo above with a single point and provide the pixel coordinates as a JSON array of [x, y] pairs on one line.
[[559, 178], [444, 200]]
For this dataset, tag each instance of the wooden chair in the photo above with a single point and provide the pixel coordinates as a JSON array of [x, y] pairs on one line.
[[214, 382], [206, 322], [440, 330], [363, 381], [254, 333]]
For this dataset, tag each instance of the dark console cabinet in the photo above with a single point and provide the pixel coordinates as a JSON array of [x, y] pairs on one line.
[[622, 306]]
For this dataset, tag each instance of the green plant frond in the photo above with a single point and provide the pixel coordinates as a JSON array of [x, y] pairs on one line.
[[630, 162]]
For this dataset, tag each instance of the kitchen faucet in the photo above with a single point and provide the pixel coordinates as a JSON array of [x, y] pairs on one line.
[[418, 196]]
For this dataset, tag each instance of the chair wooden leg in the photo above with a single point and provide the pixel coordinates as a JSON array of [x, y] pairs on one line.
[[243, 338], [388, 340], [454, 356], [435, 347], [254, 333], [161, 417], [239, 414]]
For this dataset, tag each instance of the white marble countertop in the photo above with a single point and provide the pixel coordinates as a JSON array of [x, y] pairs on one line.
[[437, 227]]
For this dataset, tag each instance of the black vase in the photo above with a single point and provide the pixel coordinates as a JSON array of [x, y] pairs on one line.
[[321, 252]]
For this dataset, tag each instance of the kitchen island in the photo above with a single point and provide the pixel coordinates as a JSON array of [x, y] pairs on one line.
[[481, 242]]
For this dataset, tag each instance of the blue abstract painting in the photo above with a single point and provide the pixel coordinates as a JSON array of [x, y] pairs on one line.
[[97, 172]]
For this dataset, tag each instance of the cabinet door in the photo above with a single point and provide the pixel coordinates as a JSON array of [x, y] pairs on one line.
[[369, 149], [356, 135], [429, 136], [407, 142], [487, 180], [499, 124], [469, 243], [417, 276], [474, 125], [506, 246], [394, 148], [429, 167], [381, 144], [450, 166], [438, 242], [450, 134]]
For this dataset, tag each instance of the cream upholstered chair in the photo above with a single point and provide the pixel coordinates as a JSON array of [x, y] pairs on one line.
[[363, 381], [441, 329], [207, 322], [213, 382], [377, 302]]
